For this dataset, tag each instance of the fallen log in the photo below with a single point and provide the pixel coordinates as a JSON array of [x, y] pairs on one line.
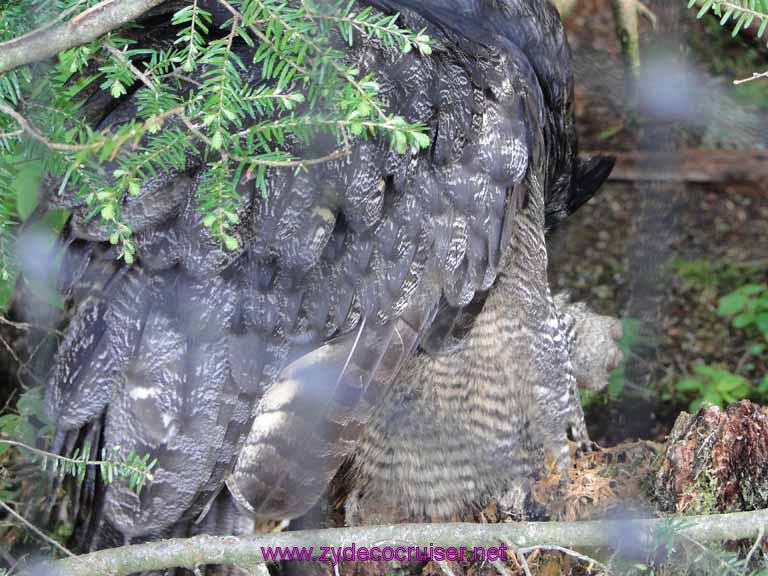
[[732, 171]]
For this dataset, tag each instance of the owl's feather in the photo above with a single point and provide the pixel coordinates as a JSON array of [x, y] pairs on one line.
[[330, 306]]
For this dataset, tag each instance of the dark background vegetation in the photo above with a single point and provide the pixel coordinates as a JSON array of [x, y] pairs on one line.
[[721, 242]]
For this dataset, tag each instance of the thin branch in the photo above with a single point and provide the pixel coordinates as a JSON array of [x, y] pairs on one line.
[[752, 550], [755, 76], [262, 37], [524, 563], [728, 568], [335, 155], [45, 454], [11, 351], [519, 556], [124, 59], [84, 27], [567, 551], [35, 530], [8, 135], [26, 326], [34, 133], [248, 550], [343, 72]]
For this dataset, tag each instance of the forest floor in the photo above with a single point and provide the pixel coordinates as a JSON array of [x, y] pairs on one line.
[[724, 240]]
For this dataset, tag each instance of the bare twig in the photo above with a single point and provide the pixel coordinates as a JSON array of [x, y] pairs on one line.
[[752, 550], [124, 59], [11, 351], [501, 569], [567, 551], [755, 76], [262, 37], [727, 568], [34, 529], [8, 135], [524, 563], [26, 326], [34, 133], [85, 27]]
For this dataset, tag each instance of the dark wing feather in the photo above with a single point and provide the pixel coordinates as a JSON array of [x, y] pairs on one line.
[[340, 273]]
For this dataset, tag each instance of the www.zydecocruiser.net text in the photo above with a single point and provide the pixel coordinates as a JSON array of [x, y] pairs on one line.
[[353, 553]]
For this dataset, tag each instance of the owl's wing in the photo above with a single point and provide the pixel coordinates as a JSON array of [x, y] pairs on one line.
[[341, 270]]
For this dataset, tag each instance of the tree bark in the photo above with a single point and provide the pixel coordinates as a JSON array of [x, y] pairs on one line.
[[85, 27]]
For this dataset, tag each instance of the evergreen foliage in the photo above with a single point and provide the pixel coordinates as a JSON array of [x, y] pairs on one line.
[[113, 465], [192, 101], [740, 13]]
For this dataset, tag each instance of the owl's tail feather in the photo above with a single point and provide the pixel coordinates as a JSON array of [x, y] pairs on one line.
[[310, 421]]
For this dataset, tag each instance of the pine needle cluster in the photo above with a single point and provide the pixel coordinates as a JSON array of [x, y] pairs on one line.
[[192, 103], [741, 14]]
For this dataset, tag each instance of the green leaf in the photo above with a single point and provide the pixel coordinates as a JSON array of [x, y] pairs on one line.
[[616, 383], [134, 187], [731, 383], [231, 243], [743, 320], [704, 8], [707, 371], [713, 397], [209, 220], [422, 140], [55, 220], [217, 140], [763, 386], [108, 212], [757, 349], [117, 89], [761, 321], [8, 423], [688, 385], [731, 304], [27, 187], [30, 403]]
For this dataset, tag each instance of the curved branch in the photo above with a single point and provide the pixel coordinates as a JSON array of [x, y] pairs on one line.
[[85, 27], [201, 550], [36, 134]]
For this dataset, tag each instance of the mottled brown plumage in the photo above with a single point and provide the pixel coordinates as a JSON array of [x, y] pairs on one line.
[[398, 299]]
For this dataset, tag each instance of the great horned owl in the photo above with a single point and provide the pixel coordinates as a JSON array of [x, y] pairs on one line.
[[389, 311]]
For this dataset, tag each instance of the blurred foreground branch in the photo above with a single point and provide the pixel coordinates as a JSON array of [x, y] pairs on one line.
[[201, 550]]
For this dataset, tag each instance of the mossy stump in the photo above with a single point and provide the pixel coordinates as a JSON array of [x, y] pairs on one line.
[[715, 461]]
